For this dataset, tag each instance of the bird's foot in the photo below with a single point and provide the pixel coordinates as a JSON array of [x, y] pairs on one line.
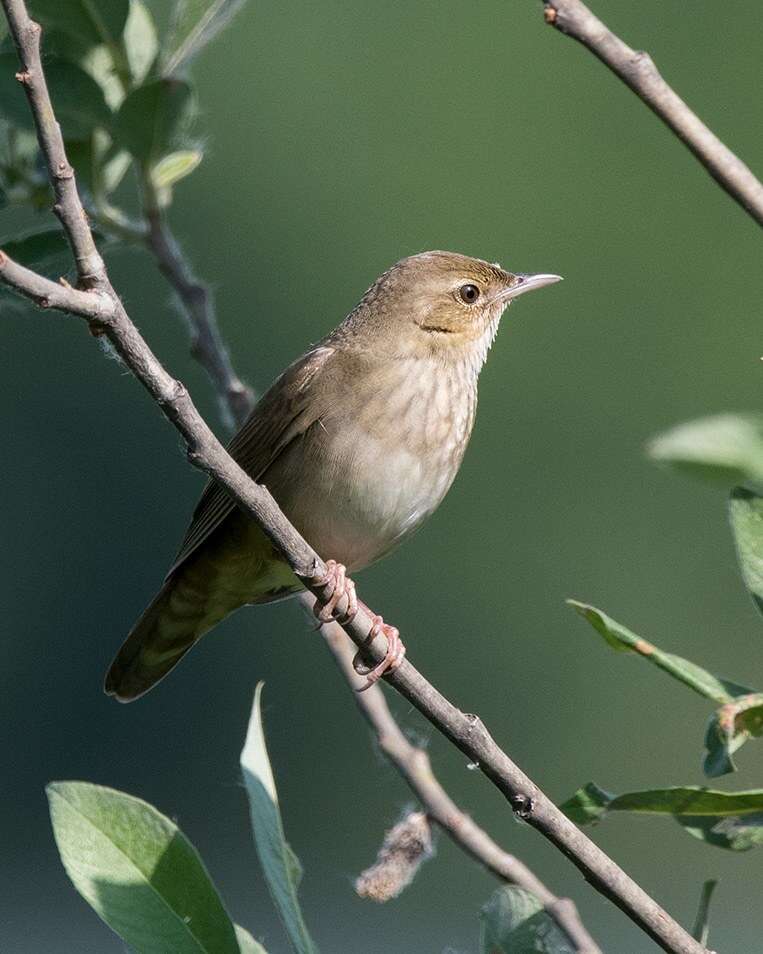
[[392, 658], [340, 585]]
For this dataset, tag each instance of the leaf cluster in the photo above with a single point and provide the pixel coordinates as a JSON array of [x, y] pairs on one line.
[[145, 879], [724, 448], [124, 98]]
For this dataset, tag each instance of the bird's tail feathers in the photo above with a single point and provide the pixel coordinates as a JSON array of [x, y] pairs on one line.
[[167, 629]]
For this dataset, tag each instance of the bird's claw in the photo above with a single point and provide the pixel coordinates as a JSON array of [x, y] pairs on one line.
[[340, 585], [392, 658]]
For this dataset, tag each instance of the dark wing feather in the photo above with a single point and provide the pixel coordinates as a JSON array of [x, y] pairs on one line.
[[281, 414]]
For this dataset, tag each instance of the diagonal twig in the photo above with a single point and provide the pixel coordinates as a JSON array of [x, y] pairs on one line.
[[637, 70], [207, 345], [413, 763], [204, 451]]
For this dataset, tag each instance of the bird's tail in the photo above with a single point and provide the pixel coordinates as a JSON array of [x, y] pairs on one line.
[[177, 617]]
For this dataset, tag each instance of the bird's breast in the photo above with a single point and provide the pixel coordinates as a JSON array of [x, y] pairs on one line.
[[378, 462]]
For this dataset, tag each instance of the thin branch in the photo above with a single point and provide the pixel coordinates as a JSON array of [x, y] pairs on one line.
[[415, 767], [48, 294], [68, 208], [466, 731], [637, 70], [207, 344]]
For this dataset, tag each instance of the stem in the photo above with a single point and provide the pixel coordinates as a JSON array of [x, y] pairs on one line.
[[637, 70]]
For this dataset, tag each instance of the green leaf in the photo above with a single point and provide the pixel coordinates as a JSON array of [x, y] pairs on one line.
[[246, 943], [138, 871], [727, 731], [86, 21], [81, 153], [695, 677], [77, 99], [746, 514], [514, 922], [36, 248], [726, 448], [39, 248], [588, 804], [174, 167], [13, 102], [732, 820], [153, 119], [141, 43], [275, 855], [701, 930], [195, 23]]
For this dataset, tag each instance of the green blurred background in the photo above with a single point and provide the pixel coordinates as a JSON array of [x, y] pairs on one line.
[[340, 137]]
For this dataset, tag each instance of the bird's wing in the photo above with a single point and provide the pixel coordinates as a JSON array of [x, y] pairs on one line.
[[283, 413]]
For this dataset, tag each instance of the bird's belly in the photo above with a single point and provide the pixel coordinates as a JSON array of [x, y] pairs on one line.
[[366, 496]]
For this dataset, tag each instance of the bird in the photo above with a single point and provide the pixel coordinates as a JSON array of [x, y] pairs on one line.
[[358, 440]]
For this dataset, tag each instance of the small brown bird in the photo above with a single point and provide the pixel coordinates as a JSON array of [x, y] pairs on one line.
[[358, 441]]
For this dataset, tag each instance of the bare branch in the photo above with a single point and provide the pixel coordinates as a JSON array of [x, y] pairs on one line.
[[47, 294], [207, 344], [68, 208], [637, 70], [466, 731], [414, 765]]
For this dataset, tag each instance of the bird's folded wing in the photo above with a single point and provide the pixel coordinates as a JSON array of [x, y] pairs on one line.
[[283, 413]]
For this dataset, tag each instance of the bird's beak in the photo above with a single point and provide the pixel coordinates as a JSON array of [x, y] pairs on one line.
[[526, 283]]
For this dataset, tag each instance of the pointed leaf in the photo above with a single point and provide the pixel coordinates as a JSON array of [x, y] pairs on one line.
[[746, 514], [87, 21], [37, 248], [276, 857], [246, 943], [732, 820], [701, 930], [690, 674], [588, 804], [153, 119], [726, 448], [728, 729], [77, 98], [195, 23], [138, 871], [732, 832], [40, 248], [174, 167], [514, 921], [141, 43]]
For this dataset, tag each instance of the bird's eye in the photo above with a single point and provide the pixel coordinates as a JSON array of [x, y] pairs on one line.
[[469, 294]]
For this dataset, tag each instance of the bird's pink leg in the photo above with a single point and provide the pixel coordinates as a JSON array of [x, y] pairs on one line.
[[392, 658], [341, 585]]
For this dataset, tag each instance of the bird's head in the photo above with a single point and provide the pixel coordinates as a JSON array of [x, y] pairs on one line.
[[442, 303]]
